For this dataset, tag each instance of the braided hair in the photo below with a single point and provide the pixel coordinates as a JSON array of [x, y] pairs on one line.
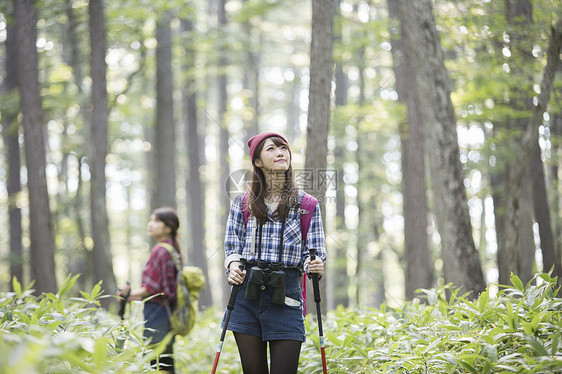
[[169, 217]]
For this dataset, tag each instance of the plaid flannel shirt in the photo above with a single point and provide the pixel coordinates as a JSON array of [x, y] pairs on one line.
[[238, 237], [159, 275]]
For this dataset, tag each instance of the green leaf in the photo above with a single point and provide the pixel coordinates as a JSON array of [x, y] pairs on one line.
[[537, 346], [67, 284], [527, 327], [516, 282], [535, 322], [100, 353], [555, 342], [467, 366], [16, 286], [483, 302]]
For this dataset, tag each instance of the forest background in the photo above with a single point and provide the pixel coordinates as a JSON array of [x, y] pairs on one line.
[[431, 131]]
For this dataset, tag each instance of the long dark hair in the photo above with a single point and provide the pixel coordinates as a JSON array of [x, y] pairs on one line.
[[258, 188], [169, 217]]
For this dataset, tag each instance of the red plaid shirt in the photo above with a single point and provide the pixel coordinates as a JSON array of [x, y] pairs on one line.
[[159, 275]]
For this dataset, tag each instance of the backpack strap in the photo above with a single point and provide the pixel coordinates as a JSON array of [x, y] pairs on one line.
[[306, 210], [308, 204], [178, 265], [175, 255]]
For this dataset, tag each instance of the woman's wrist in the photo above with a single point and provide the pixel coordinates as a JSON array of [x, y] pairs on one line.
[[235, 257]]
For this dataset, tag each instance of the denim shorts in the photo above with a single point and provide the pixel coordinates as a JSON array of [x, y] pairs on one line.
[[270, 321], [157, 322], [156, 326]]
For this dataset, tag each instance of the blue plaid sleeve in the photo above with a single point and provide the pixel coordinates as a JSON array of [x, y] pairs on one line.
[[315, 237], [235, 232]]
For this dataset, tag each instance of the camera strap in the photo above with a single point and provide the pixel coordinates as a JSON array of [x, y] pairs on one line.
[[259, 240], [281, 241]]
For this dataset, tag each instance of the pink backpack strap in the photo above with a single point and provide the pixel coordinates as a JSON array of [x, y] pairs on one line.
[[304, 310], [308, 204]]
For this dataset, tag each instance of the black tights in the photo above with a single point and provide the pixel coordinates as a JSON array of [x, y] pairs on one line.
[[284, 354]]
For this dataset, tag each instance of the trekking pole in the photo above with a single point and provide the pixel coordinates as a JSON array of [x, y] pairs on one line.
[[233, 293], [317, 300], [124, 302]]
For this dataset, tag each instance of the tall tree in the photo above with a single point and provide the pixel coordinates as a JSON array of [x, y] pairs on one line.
[[339, 289], [76, 264], [519, 258], [520, 17], [10, 131], [321, 72], [251, 74], [556, 131], [419, 264], [319, 98], [528, 141], [101, 253], [42, 246], [422, 47], [164, 182], [193, 141], [224, 135]]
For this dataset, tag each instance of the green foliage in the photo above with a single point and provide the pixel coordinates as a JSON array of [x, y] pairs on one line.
[[57, 333], [516, 331]]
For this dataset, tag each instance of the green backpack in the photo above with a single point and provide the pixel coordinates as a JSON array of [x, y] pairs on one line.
[[190, 280]]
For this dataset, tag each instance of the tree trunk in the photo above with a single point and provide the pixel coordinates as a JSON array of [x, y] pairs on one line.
[[101, 252], [516, 258], [519, 15], [319, 95], [251, 75], [528, 141], [192, 141], [319, 100], [339, 283], [164, 188], [422, 47], [10, 132], [42, 246], [556, 131], [365, 204], [419, 264], [542, 209], [76, 264], [527, 247], [224, 135]]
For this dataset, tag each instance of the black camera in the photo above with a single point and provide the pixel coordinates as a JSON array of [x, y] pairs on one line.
[[263, 275], [255, 281], [277, 282]]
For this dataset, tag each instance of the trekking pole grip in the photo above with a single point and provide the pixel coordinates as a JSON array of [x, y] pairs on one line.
[[236, 288], [314, 277], [124, 302]]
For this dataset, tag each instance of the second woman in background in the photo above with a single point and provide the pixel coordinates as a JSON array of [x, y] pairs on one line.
[[159, 281]]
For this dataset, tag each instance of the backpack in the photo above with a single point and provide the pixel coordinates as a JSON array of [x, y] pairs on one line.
[[307, 205], [189, 281]]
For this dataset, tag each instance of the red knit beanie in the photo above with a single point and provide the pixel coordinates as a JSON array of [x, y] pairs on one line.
[[255, 141]]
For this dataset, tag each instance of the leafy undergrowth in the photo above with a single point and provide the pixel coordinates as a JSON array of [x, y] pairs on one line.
[[517, 331]]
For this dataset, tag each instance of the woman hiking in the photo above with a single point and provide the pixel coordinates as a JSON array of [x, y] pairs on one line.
[[269, 306], [159, 278]]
